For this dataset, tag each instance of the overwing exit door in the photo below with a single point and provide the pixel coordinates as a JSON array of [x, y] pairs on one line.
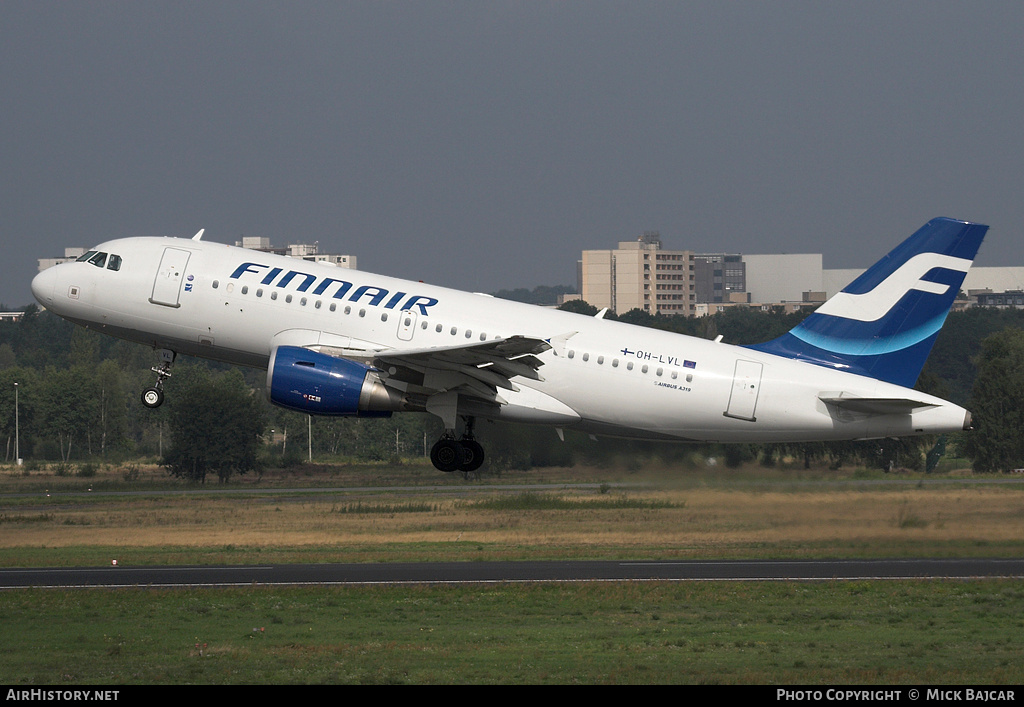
[[406, 325]]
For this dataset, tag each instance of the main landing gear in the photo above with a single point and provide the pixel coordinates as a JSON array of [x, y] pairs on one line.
[[153, 397], [464, 454]]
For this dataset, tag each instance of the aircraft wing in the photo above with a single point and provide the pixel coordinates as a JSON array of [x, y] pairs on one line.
[[475, 369]]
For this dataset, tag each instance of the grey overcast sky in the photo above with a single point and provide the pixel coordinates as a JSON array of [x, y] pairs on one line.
[[483, 145]]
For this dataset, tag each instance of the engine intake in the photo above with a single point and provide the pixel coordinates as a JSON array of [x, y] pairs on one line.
[[318, 384]]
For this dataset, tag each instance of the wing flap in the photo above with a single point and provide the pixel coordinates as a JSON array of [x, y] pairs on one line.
[[477, 370]]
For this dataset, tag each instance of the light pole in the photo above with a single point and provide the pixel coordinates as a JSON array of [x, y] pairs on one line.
[[17, 431]]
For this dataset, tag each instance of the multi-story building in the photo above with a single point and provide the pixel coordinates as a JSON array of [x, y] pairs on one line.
[[639, 275], [718, 276], [643, 275], [1010, 299]]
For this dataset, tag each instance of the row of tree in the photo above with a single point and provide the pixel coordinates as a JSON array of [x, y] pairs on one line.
[[77, 398]]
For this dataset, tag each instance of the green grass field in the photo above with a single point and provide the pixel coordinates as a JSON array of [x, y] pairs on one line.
[[834, 633], [786, 633]]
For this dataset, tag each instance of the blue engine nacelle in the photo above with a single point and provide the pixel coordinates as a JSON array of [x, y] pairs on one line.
[[318, 384]]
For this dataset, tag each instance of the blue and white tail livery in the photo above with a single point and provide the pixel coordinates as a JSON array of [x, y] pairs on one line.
[[883, 324]]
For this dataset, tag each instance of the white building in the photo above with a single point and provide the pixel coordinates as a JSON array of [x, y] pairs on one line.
[[304, 251], [783, 277], [70, 254]]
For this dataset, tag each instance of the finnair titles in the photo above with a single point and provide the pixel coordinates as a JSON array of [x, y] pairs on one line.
[[374, 295]]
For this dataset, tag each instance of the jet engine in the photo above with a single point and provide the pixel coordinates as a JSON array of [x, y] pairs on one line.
[[318, 384]]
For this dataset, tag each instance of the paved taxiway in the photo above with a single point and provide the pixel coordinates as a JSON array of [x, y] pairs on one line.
[[477, 572]]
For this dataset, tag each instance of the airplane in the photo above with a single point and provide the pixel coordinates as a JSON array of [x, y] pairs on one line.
[[344, 342]]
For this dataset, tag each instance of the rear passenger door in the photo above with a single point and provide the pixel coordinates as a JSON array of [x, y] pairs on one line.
[[746, 383]]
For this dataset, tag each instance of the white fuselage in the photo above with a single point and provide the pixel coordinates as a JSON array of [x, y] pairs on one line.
[[600, 376]]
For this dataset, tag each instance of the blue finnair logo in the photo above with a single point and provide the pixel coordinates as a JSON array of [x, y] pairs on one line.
[[339, 289]]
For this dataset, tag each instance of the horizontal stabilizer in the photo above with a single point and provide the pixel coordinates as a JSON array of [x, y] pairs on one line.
[[873, 406]]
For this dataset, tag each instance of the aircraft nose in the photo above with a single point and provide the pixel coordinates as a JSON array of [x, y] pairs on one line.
[[42, 286]]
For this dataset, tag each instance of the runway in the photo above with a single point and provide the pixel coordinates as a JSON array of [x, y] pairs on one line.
[[115, 576]]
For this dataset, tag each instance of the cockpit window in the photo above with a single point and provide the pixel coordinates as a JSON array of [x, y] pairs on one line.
[[99, 259]]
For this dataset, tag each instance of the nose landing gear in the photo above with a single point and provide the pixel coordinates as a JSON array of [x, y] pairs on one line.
[[153, 397]]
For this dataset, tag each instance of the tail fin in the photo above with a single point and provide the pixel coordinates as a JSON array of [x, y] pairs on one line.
[[884, 323]]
